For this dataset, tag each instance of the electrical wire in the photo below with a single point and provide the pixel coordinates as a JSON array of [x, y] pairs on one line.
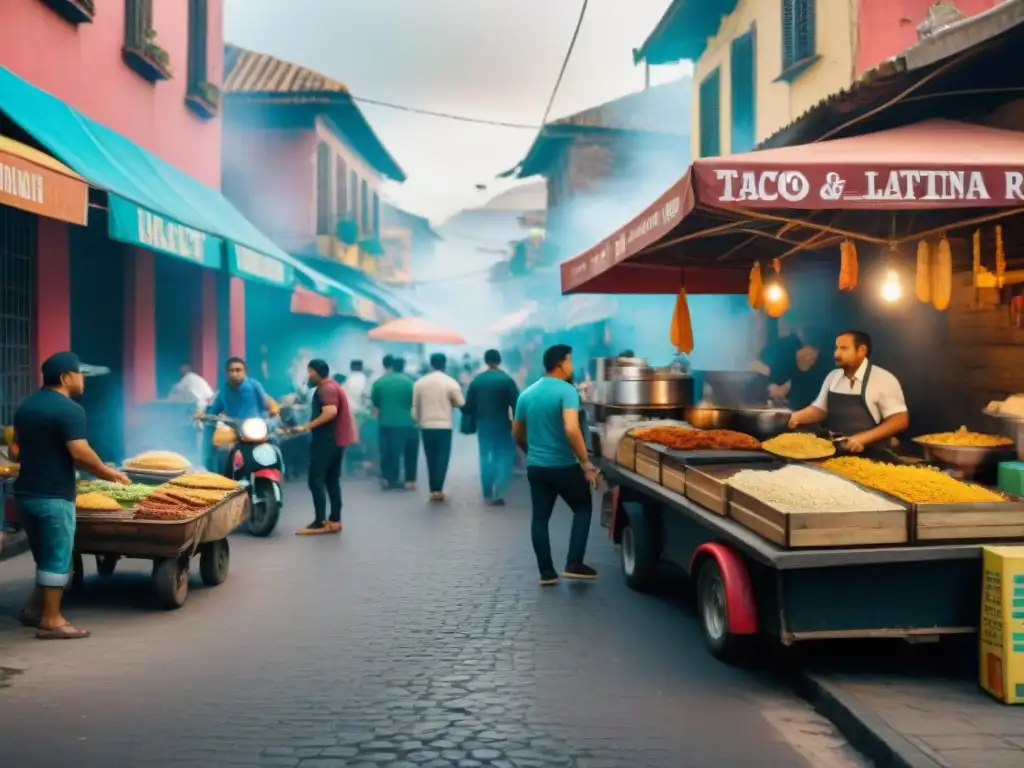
[[565, 62], [444, 115]]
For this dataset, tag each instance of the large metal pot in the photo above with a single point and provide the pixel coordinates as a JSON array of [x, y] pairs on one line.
[[701, 417], [762, 423], [641, 385]]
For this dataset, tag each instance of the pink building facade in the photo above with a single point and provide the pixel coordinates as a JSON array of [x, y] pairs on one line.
[[150, 71]]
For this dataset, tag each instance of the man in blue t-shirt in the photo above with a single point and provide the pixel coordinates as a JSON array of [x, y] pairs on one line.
[[547, 427], [242, 398]]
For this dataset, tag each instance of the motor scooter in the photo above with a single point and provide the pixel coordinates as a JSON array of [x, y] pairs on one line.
[[255, 461]]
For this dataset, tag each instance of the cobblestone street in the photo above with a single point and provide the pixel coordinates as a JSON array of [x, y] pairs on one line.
[[418, 637]]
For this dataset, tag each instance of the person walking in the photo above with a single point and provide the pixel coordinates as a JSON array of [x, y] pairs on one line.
[[491, 401], [547, 427], [392, 398], [434, 398], [50, 440], [332, 430]]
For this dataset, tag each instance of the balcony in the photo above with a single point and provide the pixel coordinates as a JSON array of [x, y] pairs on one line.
[[73, 11], [148, 60], [204, 99]]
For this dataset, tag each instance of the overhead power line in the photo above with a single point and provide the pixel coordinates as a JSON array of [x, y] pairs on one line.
[[444, 115], [565, 62]]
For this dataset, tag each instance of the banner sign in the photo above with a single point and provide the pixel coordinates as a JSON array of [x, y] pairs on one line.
[[133, 224]]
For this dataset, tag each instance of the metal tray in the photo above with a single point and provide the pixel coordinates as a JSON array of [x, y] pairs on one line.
[[705, 483]]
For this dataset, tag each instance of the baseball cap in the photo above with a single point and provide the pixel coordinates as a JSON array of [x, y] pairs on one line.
[[60, 363]]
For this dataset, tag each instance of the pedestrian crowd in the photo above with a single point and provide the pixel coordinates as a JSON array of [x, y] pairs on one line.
[[50, 441]]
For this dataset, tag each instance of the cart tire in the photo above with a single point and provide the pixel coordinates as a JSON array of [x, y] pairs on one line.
[[713, 615], [265, 510], [105, 565], [214, 561], [170, 578], [637, 554], [76, 582]]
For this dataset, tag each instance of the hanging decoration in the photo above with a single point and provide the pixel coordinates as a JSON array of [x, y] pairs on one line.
[[776, 299], [942, 275], [681, 332], [923, 281], [755, 291], [848, 266]]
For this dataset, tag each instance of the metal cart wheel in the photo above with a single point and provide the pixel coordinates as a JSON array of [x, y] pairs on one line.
[[637, 553], [76, 582], [713, 614], [170, 578], [214, 561], [105, 565]]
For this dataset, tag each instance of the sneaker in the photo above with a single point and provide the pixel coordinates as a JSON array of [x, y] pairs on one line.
[[579, 571], [314, 528], [548, 578]]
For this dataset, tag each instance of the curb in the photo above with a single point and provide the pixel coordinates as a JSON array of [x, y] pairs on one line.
[[861, 726], [12, 545]]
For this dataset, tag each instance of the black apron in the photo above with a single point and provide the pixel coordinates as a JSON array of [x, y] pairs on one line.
[[849, 415]]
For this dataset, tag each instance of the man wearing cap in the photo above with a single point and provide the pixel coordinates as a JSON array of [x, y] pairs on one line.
[[50, 440]]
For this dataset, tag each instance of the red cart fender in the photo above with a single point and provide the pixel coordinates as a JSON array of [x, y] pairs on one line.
[[269, 474], [740, 604]]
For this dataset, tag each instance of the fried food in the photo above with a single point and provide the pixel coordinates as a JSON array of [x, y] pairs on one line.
[[164, 513], [682, 439], [965, 439], [799, 445], [918, 485], [205, 481], [159, 461], [94, 500]]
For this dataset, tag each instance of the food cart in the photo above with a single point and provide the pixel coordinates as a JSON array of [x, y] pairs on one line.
[[907, 571]]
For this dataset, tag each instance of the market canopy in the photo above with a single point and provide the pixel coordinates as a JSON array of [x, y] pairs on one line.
[[886, 188], [415, 330], [151, 203], [362, 285]]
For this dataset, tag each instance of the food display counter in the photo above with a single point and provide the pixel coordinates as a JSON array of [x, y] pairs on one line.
[[798, 551]]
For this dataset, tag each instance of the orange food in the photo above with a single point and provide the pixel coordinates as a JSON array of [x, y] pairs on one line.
[[682, 439]]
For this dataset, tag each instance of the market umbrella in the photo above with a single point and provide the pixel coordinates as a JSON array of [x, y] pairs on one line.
[[415, 330]]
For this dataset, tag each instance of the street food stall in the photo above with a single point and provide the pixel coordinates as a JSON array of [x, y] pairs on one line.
[[782, 534], [168, 515]]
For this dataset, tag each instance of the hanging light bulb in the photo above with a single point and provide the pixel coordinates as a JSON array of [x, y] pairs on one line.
[[892, 288], [774, 292]]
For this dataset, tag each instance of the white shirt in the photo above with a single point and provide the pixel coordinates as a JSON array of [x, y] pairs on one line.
[[884, 397], [433, 397], [193, 388], [355, 387]]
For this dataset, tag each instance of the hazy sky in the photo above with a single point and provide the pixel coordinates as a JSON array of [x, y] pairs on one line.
[[493, 59]]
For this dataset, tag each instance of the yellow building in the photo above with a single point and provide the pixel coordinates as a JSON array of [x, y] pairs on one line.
[[758, 64]]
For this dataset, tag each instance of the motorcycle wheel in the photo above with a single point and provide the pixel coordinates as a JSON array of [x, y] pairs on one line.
[[265, 510]]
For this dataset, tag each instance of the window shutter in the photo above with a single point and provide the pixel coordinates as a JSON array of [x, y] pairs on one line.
[[323, 189], [710, 107], [353, 195], [788, 25], [364, 207], [743, 92], [803, 37], [197, 44], [340, 190], [376, 215]]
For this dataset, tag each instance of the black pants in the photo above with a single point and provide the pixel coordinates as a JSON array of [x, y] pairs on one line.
[[325, 479], [547, 484], [399, 448], [437, 447]]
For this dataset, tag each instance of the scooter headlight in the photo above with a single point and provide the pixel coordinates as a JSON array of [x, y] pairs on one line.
[[254, 430]]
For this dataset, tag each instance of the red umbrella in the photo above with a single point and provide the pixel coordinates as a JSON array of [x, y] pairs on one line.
[[415, 330]]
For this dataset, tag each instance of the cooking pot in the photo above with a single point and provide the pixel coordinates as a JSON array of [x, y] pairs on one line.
[[762, 423], [645, 386], [704, 417]]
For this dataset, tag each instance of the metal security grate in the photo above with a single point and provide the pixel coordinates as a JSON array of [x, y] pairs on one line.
[[17, 283]]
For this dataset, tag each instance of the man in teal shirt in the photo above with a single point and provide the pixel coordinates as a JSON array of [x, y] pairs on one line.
[[491, 401], [547, 426], [391, 396]]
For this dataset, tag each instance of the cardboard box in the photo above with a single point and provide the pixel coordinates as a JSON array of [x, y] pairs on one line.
[[1001, 635]]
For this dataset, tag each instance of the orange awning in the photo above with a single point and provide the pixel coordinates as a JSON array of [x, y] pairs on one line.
[[37, 183], [415, 330]]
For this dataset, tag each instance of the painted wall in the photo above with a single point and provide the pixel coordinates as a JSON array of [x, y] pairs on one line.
[[778, 103], [888, 27], [82, 65]]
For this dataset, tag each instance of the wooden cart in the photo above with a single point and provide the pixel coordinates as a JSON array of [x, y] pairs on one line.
[[170, 544]]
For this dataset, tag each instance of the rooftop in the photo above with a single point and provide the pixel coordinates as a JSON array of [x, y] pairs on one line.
[[254, 72]]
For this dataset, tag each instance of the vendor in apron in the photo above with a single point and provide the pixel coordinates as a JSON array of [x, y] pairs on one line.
[[858, 401]]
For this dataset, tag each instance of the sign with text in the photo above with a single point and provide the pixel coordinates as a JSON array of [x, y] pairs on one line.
[[254, 265], [133, 224], [35, 188]]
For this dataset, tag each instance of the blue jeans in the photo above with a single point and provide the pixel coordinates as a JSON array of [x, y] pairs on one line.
[[50, 527], [497, 459]]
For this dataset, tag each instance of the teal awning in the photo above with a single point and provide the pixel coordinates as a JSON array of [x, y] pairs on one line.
[[151, 203]]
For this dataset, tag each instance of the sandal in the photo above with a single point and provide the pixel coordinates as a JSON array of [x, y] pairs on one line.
[[63, 632]]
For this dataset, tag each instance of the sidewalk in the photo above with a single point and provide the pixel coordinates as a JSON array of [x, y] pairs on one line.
[[12, 544], [920, 722]]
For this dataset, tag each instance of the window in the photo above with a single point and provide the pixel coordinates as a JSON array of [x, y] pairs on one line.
[[710, 98], [140, 51], [364, 208], [798, 42], [376, 215], [323, 189], [17, 310], [340, 190], [353, 195], [743, 92], [202, 96]]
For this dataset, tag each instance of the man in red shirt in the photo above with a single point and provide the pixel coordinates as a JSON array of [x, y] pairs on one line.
[[332, 430]]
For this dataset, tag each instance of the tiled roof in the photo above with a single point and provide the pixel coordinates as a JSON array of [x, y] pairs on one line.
[[252, 72]]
